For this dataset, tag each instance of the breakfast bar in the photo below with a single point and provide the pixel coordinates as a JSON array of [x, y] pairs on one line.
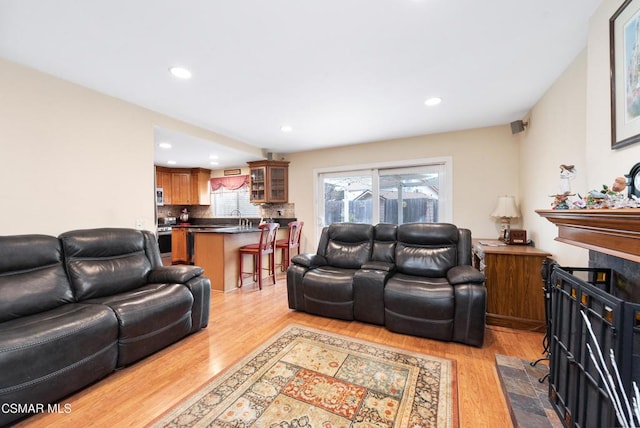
[[216, 251]]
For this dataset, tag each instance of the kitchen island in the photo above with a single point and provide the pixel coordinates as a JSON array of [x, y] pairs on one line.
[[216, 251]]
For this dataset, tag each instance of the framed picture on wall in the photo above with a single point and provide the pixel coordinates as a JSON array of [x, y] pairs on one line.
[[624, 39]]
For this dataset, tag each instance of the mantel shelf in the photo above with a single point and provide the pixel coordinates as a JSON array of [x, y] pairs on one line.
[[611, 231]]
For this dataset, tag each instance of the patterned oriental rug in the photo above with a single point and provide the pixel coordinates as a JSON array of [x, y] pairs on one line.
[[304, 378]]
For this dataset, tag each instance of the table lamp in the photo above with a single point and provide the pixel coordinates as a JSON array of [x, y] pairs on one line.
[[505, 210]]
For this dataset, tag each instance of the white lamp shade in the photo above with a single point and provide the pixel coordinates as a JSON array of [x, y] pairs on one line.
[[506, 207]]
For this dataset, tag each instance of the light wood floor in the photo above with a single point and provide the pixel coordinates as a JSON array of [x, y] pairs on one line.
[[136, 395]]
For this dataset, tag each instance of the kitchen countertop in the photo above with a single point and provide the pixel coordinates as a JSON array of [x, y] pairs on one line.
[[216, 251], [192, 226], [226, 222], [218, 229]]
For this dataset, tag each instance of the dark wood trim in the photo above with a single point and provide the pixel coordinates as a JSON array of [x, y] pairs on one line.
[[515, 322], [611, 231]]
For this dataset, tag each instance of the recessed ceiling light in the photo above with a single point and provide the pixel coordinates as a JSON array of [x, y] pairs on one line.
[[213, 156], [286, 128], [433, 101], [171, 162], [164, 145], [180, 72]]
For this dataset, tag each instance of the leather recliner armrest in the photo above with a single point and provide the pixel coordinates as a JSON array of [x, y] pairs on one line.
[[464, 274], [178, 274], [309, 260], [382, 266]]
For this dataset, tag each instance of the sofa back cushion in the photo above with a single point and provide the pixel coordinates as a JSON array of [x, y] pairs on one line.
[[348, 245], [427, 249], [32, 276], [384, 242], [464, 247], [103, 262]]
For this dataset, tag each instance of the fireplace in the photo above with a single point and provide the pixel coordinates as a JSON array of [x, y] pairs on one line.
[[575, 388], [608, 292]]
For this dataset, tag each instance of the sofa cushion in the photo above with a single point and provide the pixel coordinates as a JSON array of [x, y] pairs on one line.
[[420, 297], [328, 291], [49, 355], [349, 245], [420, 306], [32, 276], [384, 242], [426, 249], [103, 262], [150, 318]]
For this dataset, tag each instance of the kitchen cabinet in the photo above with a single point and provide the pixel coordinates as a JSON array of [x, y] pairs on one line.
[[179, 245], [163, 180], [216, 251], [515, 296], [181, 188], [200, 186], [184, 186], [269, 182]]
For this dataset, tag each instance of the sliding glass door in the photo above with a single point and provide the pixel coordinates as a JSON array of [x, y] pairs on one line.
[[409, 195], [389, 194], [347, 197]]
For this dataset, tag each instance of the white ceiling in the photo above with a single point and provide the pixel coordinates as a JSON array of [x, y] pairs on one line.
[[337, 71]]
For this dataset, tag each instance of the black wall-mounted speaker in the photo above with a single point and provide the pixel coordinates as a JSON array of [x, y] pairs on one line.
[[517, 126]]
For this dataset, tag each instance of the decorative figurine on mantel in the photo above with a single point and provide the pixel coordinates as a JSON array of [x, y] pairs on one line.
[[619, 184], [608, 197], [560, 199]]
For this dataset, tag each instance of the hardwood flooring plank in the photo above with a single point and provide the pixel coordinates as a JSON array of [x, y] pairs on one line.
[[239, 322]]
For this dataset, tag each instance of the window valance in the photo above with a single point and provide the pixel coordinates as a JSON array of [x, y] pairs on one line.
[[230, 183]]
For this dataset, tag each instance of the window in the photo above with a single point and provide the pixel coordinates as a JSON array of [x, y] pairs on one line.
[[226, 201], [345, 198], [401, 192], [409, 195]]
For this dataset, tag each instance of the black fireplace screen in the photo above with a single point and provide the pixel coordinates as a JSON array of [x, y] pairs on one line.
[[575, 387]]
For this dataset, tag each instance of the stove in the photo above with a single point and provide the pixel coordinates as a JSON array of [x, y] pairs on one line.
[[164, 229], [165, 225]]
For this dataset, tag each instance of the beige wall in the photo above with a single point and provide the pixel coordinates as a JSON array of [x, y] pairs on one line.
[[603, 163], [571, 123], [485, 164], [74, 158], [555, 136]]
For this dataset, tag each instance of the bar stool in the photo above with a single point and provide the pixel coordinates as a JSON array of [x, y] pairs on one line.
[[292, 242], [266, 247]]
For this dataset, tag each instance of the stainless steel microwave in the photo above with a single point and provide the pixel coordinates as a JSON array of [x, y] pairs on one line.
[[159, 196]]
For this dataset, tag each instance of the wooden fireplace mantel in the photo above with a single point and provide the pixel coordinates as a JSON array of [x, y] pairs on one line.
[[611, 231]]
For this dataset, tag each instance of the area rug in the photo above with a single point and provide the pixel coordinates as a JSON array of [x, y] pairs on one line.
[[303, 377]]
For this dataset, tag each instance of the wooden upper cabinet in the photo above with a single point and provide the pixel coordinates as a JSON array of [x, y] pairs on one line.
[[163, 180], [184, 186], [181, 188], [200, 186], [269, 182]]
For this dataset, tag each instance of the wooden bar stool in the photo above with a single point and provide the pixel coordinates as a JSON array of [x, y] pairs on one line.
[[289, 244], [266, 247]]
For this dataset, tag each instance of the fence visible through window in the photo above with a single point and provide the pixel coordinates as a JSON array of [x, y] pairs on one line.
[[383, 195]]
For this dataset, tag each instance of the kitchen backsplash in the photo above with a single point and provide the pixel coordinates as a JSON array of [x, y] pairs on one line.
[[200, 211]]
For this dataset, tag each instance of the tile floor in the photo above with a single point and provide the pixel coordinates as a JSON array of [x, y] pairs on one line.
[[526, 397]]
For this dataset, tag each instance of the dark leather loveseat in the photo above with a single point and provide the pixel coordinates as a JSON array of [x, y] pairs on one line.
[[414, 278], [75, 308]]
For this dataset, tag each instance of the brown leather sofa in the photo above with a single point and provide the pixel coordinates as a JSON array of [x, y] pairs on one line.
[[75, 308], [414, 279]]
